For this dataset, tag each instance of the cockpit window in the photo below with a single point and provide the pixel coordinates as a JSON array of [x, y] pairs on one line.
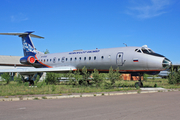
[[145, 51], [150, 51], [137, 50]]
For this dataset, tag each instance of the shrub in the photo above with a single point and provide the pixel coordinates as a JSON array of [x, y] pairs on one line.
[[51, 78], [77, 76], [113, 75], [53, 88], [40, 84], [107, 85], [18, 79], [145, 76], [37, 79], [84, 80], [70, 76], [97, 78], [6, 77], [174, 77], [44, 97]]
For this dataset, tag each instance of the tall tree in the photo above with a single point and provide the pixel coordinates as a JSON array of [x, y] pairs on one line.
[[46, 52]]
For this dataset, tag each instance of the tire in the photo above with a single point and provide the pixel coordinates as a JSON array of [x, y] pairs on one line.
[[31, 83], [138, 84]]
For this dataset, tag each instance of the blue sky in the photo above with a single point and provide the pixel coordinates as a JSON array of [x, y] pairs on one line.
[[69, 25]]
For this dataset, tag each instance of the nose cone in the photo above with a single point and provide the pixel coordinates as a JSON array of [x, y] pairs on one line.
[[166, 63]]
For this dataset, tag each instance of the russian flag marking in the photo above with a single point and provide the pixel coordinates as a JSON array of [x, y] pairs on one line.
[[135, 60]]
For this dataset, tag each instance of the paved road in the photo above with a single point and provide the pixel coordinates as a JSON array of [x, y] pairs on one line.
[[152, 106]]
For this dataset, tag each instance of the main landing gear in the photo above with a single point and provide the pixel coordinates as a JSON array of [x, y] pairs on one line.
[[139, 84], [31, 82]]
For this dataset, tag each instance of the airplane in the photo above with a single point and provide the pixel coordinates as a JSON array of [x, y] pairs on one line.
[[134, 60]]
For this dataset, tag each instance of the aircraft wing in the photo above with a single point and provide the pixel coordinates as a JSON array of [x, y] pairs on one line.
[[36, 70]]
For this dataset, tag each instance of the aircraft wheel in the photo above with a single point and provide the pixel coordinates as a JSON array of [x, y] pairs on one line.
[[31, 82], [80, 82], [138, 84], [141, 84]]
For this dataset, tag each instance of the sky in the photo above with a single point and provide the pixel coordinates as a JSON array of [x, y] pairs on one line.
[[69, 25]]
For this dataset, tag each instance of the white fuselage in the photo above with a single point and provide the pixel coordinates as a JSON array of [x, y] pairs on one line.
[[126, 58]]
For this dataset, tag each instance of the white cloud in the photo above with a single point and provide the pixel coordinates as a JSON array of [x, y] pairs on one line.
[[18, 18], [148, 8]]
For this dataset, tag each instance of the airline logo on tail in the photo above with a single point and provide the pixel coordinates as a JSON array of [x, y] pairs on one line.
[[28, 48]]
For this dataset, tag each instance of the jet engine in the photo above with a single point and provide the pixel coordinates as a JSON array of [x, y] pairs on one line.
[[27, 60]]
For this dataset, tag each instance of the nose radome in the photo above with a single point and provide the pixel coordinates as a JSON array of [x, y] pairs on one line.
[[166, 63]]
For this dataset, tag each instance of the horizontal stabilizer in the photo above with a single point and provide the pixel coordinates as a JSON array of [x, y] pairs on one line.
[[32, 35]]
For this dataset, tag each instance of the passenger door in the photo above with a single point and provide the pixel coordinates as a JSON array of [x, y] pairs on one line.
[[119, 58]]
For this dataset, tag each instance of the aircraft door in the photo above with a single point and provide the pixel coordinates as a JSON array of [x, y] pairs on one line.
[[54, 60], [119, 59]]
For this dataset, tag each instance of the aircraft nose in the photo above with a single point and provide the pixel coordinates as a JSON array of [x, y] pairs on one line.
[[166, 63]]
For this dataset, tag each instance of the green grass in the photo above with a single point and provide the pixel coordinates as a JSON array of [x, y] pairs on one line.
[[15, 89]]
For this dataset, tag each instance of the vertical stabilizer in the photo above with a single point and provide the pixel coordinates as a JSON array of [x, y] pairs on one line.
[[28, 46]]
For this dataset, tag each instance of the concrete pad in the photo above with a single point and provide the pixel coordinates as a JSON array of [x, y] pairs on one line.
[[117, 93], [39, 98], [87, 95], [131, 92], [15, 99], [106, 94], [7, 99], [153, 89], [76, 96], [51, 97], [98, 94], [25, 98], [60, 97], [30, 98]]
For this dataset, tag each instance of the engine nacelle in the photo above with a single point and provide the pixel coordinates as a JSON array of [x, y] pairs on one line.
[[27, 60]]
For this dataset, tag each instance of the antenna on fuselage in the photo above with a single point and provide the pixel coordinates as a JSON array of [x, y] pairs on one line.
[[125, 44]]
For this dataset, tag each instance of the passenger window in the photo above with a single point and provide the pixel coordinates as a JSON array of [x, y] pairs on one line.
[[70, 59], [62, 60], [58, 59], [47, 60], [50, 60], [119, 56], [84, 58], [54, 60], [75, 58], [102, 57], [66, 59], [94, 57], [44, 60], [79, 58], [89, 58]]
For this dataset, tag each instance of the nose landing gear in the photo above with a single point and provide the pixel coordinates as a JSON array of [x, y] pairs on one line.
[[139, 84]]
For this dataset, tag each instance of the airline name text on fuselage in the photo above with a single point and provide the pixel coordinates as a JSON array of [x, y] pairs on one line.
[[82, 52]]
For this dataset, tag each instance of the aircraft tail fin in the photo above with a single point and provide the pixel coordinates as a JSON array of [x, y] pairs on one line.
[[28, 46]]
